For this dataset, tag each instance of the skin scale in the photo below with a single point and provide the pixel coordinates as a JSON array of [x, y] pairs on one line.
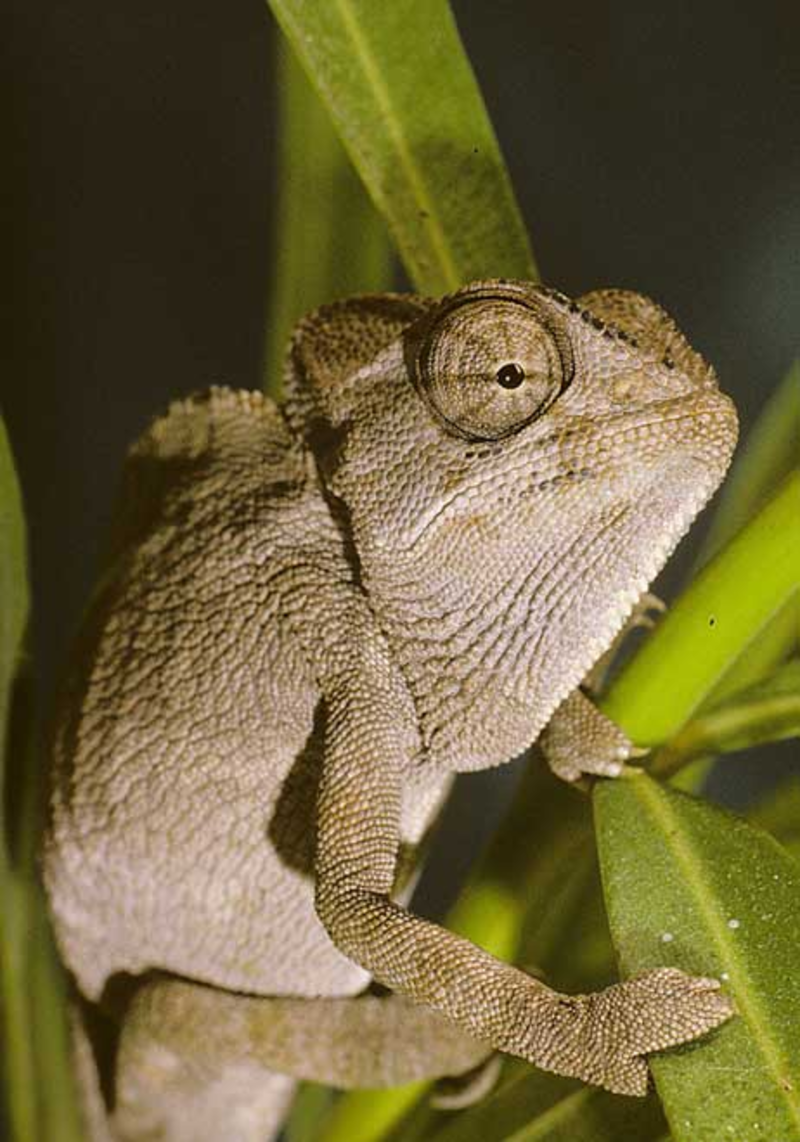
[[312, 617]]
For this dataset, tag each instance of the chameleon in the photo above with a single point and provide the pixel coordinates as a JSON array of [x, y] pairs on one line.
[[312, 616]]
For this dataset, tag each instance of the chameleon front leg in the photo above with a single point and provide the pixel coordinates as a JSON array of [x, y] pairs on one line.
[[600, 1038], [579, 739], [199, 1063]]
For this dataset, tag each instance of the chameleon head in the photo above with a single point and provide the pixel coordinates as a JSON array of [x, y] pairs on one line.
[[515, 468]]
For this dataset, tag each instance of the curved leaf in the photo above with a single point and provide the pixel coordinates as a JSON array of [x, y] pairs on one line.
[[14, 600], [779, 814], [329, 239], [690, 885], [36, 1082], [18, 1063], [404, 100], [766, 711]]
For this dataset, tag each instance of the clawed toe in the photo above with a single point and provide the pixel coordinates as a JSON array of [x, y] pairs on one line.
[[667, 1007]]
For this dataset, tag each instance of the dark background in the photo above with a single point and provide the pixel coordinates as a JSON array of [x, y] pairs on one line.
[[653, 146]]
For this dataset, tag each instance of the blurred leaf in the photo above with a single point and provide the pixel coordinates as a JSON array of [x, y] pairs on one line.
[[767, 711], [14, 599], [715, 619], [404, 100], [308, 1110], [779, 814], [329, 240], [17, 1054], [692, 886], [37, 1089]]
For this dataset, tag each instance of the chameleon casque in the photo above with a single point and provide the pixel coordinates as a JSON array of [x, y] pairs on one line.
[[313, 616]]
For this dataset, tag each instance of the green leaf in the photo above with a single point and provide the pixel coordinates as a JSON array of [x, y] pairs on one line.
[[36, 1087], [329, 240], [767, 711], [16, 1055], [14, 599], [778, 639], [308, 1109], [779, 814], [404, 100], [711, 624], [692, 886]]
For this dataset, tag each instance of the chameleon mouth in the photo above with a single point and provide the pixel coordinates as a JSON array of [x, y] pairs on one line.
[[700, 429]]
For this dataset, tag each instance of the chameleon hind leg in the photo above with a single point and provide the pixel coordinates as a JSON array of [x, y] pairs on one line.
[[202, 1064]]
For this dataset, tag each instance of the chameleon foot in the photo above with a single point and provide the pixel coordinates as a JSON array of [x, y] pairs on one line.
[[651, 1012], [579, 740]]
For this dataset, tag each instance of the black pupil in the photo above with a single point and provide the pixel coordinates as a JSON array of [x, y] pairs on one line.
[[511, 376]]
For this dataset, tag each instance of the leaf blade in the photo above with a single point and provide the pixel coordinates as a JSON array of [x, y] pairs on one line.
[[411, 117], [767, 711], [329, 239], [14, 594], [18, 1063], [36, 1082]]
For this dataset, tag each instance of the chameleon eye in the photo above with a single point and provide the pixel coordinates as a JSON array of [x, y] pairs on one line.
[[489, 366], [510, 376]]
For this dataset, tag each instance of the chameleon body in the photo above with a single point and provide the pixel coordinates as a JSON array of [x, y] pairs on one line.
[[313, 616]]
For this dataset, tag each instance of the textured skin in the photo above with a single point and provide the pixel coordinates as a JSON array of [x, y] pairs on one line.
[[311, 619]]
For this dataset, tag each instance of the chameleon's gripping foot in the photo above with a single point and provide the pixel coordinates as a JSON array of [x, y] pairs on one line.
[[651, 1012], [580, 740]]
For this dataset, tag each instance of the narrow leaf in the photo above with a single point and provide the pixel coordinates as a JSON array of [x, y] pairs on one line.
[[778, 639], [16, 1056], [36, 1087], [14, 599], [779, 814], [692, 886], [402, 95], [767, 711], [329, 240]]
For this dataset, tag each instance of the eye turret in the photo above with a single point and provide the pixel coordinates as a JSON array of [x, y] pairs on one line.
[[491, 365]]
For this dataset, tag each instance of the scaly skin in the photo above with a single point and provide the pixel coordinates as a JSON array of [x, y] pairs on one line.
[[313, 616]]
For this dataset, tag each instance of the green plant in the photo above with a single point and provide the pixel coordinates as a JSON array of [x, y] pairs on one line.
[[681, 881]]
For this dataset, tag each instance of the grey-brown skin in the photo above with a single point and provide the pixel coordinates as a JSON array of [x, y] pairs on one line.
[[314, 616]]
